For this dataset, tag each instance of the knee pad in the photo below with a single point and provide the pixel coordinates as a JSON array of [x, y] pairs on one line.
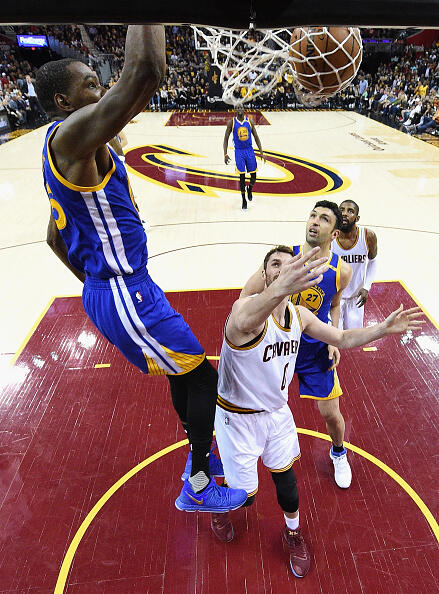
[[252, 178], [286, 490]]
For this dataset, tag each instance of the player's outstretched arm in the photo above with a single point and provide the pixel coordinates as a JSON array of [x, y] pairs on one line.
[[306, 274], [398, 322], [90, 127]]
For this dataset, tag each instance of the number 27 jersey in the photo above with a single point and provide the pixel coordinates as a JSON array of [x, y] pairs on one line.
[[318, 299]]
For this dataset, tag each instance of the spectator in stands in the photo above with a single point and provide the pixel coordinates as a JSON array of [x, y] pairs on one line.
[[4, 80], [412, 113], [428, 119], [155, 101], [362, 85], [422, 89]]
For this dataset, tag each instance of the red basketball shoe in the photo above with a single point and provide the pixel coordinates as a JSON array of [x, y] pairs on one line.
[[222, 526], [299, 555]]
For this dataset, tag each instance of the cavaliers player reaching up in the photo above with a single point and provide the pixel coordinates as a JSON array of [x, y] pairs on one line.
[[357, 246], [316, 362], [243, 128], [253, 420]]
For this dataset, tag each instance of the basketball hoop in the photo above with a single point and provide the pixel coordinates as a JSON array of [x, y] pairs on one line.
[[252, 62]]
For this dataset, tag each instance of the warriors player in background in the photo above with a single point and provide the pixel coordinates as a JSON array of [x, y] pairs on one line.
[[316, 362], [253, 420], [358, 247], [245, 159], [98, 234]]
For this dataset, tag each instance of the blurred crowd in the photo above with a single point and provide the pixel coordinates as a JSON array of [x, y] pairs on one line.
[[402, 91], [17, 93]]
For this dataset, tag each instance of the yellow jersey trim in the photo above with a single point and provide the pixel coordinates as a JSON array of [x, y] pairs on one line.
[[275, 470], [334, 393], [279, 325], [185, 361], [338, 274], [229, 407], [298, 317], [68, 184], [248, 348]]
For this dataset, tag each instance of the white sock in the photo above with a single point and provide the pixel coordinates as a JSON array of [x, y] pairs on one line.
[[199, 481], [292, 523]]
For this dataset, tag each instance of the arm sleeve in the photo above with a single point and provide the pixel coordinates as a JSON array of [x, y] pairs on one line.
[[370, 273]]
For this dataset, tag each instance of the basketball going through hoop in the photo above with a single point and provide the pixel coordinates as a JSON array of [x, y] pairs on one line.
[[325, 59]]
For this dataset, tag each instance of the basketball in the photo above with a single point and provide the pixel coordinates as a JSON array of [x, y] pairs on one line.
[[325, 59]]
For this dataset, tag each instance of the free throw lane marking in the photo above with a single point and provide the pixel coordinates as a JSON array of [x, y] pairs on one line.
[[67, 561]]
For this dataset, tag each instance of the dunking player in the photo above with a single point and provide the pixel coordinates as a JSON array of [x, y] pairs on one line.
[[99, 236], [245, 159], [317, 377], [358, 247], [96, 231], [253, 419]]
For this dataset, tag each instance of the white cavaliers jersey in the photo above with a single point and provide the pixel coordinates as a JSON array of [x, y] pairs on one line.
[[256, 376], [357, 257]]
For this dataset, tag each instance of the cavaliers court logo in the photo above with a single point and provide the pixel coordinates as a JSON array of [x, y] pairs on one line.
[[294, 176]]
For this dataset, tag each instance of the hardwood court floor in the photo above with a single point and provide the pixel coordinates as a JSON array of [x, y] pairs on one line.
[[69, 431], [81, 418]]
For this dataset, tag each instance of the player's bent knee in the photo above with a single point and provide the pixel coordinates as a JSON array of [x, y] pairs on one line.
[[286, 490]]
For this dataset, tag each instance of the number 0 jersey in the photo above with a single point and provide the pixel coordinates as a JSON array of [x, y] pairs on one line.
[[100, 225], [256, 376]]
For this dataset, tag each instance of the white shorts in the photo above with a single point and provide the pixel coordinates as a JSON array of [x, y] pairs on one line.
[[244, 438], [351, 316]]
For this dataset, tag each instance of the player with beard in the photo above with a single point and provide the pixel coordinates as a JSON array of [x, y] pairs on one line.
[[316, 361], [357, 246]]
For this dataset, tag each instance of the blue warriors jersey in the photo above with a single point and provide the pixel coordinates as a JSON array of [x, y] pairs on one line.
[[318, 298], [242, 134], [100, 225]]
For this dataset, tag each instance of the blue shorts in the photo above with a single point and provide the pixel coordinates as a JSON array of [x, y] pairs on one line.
[[133, 313], [312, 368], [245, 160]]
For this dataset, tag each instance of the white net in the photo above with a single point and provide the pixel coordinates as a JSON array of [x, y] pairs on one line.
[[320, 61]]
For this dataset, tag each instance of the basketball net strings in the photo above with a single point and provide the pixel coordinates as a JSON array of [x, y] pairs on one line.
[[253, 62]]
